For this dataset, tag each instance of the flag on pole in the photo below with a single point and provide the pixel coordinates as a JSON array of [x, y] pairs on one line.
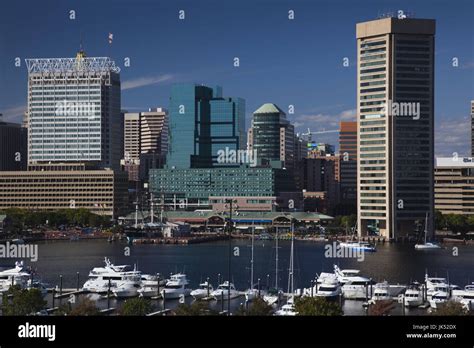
[[111, 38]]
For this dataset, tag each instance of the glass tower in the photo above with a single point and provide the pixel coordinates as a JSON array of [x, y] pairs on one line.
[[202, 122], [272, 136]]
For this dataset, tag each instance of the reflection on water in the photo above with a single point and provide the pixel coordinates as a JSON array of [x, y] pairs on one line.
[[397, 263]]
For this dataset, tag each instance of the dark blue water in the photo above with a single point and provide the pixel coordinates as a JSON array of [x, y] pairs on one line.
[[396, 263]]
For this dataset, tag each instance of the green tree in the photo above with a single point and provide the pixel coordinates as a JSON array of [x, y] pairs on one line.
[[457, 223], [86, 307], [136, 306], [258, 307], [440, 220], [317, 306], [195, 309], [450, 308], [17, 301]]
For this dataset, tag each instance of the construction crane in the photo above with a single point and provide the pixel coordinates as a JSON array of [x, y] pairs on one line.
[[309, 133]]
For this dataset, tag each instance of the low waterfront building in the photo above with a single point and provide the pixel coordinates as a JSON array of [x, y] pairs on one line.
[[215, 220], [64, 186], [195, 187], [454, 185]]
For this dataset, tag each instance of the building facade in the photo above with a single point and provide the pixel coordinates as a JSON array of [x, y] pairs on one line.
[[472, 127], [65, 186], [320, 178], [348, 162], [145, 139], [395, 115], [194, 187], [272, 137], [74, 111], [202, 123], [13, 146], [454, 185]]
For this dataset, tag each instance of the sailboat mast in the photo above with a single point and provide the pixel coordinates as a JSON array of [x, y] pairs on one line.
[[152, 213], [251, 260], [426, 226], [276, 259], [136, 213], [290, 274]]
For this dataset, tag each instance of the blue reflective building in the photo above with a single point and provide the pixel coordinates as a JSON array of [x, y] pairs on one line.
[[202, 122]]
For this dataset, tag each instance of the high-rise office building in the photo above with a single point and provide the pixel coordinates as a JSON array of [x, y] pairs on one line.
[[348, 162], [74, 111], [395, 89], [472, 127], [131, 136], [272, 137], [154, 131], [75, 138], [145, 133], [13, 146], [202, 123]]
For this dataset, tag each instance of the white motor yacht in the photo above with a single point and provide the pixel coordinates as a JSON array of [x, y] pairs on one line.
[[329, 289], [100, 277], [127, 288], [18, 276], [413, 296], [272, 296], [465, 296], [287, 309], [176, 287], [381, 292], [252, 294], [354, 286], [435, 284], [222, 292], [438, 298], [357, 245], [205, 289], [149, 285]]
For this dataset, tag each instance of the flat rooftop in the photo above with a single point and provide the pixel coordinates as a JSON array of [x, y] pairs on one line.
[[451, 162]]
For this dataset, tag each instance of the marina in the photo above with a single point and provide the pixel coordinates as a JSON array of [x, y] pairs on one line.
[[78, 269]]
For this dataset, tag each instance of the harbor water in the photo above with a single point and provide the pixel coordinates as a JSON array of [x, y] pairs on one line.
[[396, 263]]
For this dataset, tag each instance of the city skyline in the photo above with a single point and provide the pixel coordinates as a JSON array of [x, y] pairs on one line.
[[156, 64]]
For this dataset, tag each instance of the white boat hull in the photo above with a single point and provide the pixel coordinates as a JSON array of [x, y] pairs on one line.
[[148, 291], [356, 292], [199, 294], [251, 294], [174, 293], [224, 294], [125, 293], [270, 299]]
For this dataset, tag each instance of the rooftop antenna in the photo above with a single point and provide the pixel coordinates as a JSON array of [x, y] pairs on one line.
[[81, 53]]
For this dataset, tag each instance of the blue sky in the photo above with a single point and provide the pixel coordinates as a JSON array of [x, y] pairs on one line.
[[297, 62]]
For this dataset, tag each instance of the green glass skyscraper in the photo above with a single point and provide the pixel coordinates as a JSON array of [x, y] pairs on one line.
[[202, 122]]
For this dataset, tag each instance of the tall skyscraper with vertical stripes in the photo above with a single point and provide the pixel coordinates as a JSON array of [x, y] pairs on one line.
[[395, 115]]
